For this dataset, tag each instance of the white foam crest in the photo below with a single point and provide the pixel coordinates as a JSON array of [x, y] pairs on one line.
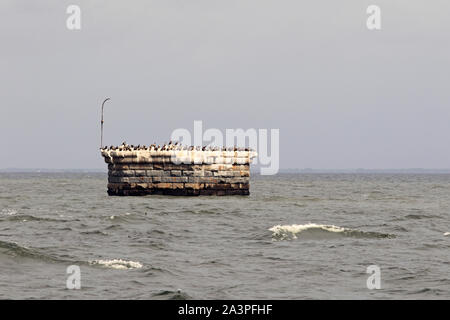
[[8, 212], [290, 231], [447, 234], [118, 264]]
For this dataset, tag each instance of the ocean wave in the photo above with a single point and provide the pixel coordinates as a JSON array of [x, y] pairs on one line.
[[94, 232], [320, 231], [117, 264], [420, 216], [447, 234], [28, 217], [204, 211], [126, 217], [171, 295], [16, 250]]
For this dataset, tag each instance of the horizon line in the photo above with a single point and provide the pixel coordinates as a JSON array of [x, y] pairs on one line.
[[283, 170]]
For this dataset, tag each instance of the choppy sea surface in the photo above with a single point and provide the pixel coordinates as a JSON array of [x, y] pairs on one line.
[[297, 236]]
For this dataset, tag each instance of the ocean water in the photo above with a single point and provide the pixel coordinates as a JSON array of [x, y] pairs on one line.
[[297, 236]]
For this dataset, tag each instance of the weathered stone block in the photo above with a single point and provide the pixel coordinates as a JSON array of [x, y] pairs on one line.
[[245, 173], [113, 185], [174, 179], [140, 166], [227, 173], [154, 172], [176, 173], [156, 179], [118, 179], [194, 179], [230, 180], [193, 185], [209, 180], [241, 160], [142, 185], [117, 166], [140, 173], [139, 179], [223, 186], [163, 185]]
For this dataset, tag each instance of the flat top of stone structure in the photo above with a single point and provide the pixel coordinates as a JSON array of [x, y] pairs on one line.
[[176, 153], [178, 156]]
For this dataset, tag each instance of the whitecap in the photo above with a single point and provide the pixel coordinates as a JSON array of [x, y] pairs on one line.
[[117, 264], [290, 231], [320, 231], [447, 234], [8, 212]]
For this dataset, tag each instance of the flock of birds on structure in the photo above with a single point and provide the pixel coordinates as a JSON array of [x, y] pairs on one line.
[[171, 146]]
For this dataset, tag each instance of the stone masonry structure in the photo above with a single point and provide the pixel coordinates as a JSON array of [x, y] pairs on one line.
[[180, 172]]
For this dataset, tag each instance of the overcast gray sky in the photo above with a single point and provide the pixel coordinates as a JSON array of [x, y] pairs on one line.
[[341, 95]]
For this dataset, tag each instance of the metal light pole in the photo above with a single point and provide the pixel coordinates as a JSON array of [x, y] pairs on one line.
[[101, 124]]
